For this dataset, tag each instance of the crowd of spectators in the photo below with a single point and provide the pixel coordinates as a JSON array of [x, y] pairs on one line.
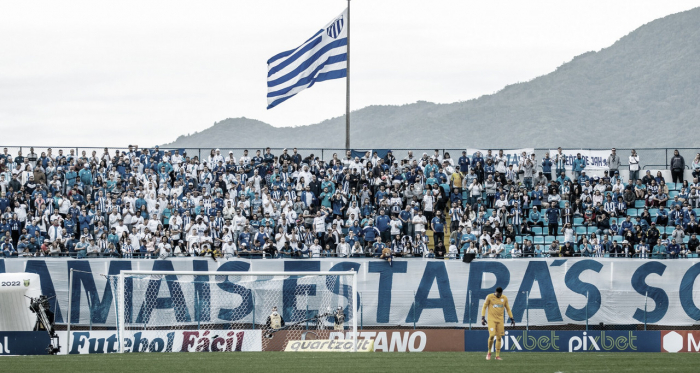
[[154, 203]]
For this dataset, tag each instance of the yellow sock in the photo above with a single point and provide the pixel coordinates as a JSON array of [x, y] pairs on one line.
[[498, 346], [490, 344]]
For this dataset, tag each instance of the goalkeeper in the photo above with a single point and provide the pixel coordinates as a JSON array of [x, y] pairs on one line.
[[495, 304]]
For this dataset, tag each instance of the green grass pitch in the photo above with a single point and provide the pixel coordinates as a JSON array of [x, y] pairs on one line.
[[360, 362]]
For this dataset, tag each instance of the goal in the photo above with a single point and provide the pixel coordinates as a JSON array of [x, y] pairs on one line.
[[189, 311]]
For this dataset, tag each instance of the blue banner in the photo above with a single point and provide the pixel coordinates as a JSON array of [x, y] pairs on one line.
[[567, 341], [24, 343]]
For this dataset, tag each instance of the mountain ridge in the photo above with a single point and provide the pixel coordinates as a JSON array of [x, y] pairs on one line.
[[642, 91]]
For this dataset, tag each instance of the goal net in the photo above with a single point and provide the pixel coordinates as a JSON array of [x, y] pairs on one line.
[[174, 311]]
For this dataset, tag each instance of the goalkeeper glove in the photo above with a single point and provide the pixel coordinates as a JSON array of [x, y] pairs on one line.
[[512, 322], [483, 320]]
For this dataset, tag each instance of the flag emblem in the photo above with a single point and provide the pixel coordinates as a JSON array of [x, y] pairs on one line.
[[26, 283], [318, 59], [335, 28]]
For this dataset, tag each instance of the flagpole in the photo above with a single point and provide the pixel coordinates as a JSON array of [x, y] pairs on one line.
[[347, 90]]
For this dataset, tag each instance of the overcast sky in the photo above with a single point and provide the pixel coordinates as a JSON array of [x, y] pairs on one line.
[[112, 73]]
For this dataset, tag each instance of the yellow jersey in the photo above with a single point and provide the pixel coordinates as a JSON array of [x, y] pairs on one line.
[[495, 306]]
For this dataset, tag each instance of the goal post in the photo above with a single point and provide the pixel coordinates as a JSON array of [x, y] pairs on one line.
[[164, 311]]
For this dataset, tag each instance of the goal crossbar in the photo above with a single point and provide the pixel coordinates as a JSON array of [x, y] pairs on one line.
[[125, 273]]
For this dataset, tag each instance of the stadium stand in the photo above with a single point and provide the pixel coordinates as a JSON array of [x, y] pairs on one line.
[[153, 203]]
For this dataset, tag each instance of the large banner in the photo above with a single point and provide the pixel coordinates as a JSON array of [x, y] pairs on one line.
[[567, 341], [595, 159], [100, 342], [514, 156], [420, 292]]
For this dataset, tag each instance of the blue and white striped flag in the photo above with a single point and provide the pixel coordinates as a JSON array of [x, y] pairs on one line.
[[323, 57]]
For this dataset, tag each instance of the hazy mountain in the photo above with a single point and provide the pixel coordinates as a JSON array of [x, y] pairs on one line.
[[643, 91]]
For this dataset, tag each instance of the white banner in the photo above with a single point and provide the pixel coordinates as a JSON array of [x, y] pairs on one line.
[[595, 159], [101, 341], [424, 292], [514, 156]]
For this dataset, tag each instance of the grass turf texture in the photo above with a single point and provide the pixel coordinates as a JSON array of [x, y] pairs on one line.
[[360, 362]]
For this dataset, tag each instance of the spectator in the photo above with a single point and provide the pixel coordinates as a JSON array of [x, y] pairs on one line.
[[677, 167]]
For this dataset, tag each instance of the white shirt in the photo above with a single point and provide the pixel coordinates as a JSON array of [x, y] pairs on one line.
[[343, 249], [419, 221]]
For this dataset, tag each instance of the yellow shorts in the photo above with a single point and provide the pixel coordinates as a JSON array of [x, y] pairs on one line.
[[495, 328]]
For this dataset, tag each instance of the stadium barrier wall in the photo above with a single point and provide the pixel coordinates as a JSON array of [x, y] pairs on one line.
[[420, 293], [24, 343]]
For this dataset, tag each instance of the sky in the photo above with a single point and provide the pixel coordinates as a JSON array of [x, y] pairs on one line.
[[107, 73]]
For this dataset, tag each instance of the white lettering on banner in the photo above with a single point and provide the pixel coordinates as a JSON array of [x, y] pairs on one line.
[[423, 292], [5, 347], [692, 345], [595, 159]]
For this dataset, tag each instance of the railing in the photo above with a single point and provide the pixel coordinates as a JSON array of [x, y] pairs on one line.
[[649, 157]]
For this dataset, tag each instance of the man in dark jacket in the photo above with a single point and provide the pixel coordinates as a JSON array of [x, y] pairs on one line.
[[677, 167]]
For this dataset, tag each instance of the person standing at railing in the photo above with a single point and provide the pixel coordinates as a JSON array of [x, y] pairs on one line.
[[677, 167], [634, 166]]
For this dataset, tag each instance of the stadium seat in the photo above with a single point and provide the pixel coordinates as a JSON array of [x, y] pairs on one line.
[[581, 230], [632, 212], [672, 193], [653, 212], [639, 203], [537, 230], [545, 231], [519, 239], [562, 204], [669, 229], [549, 239], [673, 186], [578, 221], [539, 240], [592, 229], [618, 238]]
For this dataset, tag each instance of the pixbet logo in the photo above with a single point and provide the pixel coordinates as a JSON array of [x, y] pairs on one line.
[[527, 342], [602, 342]]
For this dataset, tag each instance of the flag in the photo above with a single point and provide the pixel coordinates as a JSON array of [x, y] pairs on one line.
[[322, 57]]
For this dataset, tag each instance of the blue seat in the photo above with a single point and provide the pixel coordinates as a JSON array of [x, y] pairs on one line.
[[639, 203], [519, 239], [537, 230], [549, 239], [562, 204], [669, 229], [580, 230], [674, 186], [672, 193], [578, 221], [618, 238], [653, 212], [539, 240], [686, 239]]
